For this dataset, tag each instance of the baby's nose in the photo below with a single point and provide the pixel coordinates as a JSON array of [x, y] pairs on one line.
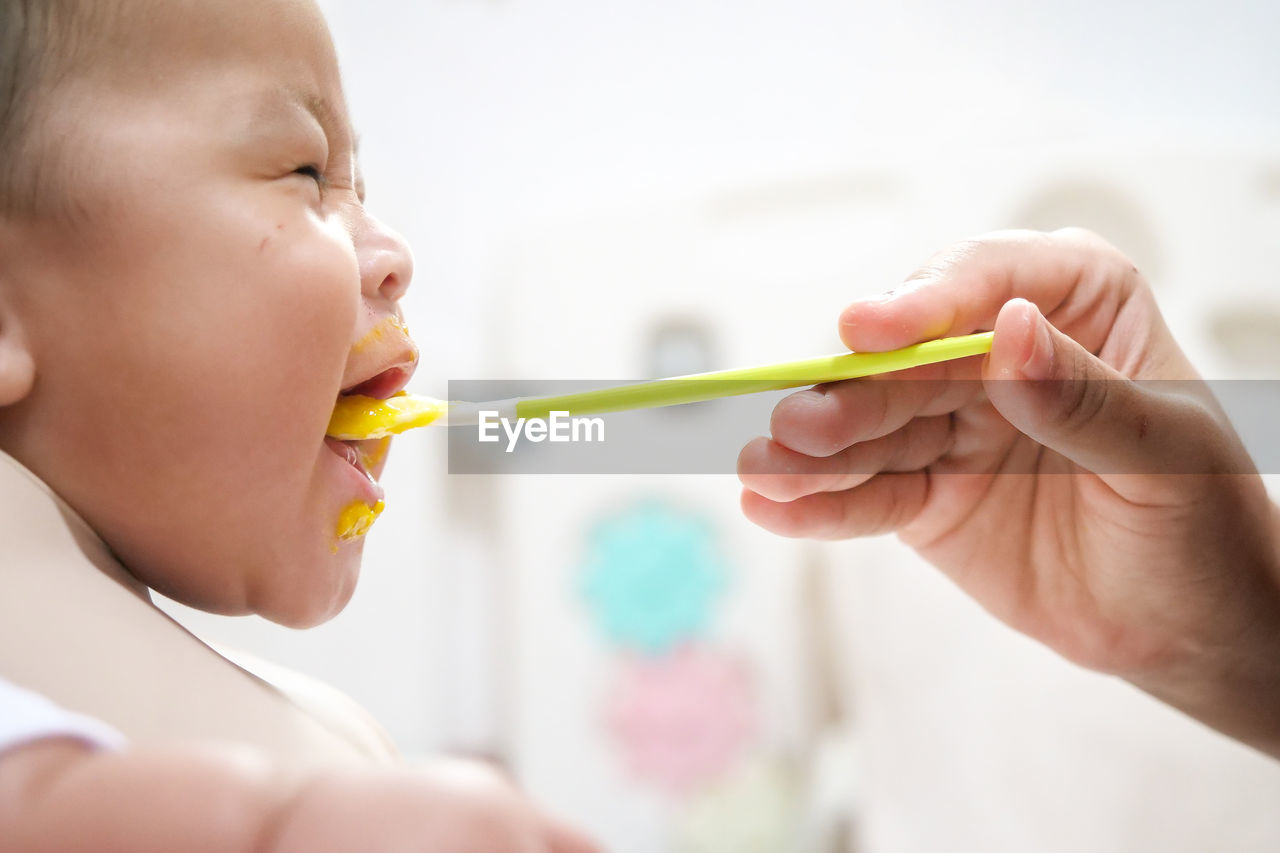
[[386, 262]]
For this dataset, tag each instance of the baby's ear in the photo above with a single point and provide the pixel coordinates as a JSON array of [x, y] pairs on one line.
[[17, 364]]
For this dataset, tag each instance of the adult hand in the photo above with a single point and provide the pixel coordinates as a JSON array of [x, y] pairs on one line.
[[1041, 479]]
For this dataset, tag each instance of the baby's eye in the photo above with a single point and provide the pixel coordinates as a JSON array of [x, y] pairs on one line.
[[315, 173]]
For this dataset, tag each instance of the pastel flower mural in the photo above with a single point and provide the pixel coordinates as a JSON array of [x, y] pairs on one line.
[[651, 575], [682, 720]]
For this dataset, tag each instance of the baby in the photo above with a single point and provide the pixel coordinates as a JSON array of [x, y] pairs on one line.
[[188, 282]]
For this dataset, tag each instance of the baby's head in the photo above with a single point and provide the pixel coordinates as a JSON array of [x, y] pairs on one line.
[[188, 281]]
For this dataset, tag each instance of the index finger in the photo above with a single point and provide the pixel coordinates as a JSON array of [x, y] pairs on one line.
[[962, 289]]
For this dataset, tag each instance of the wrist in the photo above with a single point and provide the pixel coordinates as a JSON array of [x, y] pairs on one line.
[[1228, 676]]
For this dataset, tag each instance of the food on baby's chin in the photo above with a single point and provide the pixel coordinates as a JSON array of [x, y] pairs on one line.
[[356, 520], [356, 417]]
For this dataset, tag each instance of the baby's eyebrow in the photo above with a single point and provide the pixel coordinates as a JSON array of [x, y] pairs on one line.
[[289, 104], [323, 111], [331, 122], [282, 103]]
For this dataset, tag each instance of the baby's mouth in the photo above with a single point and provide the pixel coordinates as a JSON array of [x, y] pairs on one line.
[[354, 455], [360, 451], [382, 386]]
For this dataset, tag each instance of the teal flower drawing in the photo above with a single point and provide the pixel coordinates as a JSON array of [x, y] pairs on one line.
[[651, 575]]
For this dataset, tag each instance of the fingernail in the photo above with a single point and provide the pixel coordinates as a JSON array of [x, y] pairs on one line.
[[1039, 363]]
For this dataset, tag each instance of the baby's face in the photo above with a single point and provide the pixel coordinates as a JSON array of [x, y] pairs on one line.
[[191, 339]]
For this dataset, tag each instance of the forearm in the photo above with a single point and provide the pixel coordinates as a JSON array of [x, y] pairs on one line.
[[59, 797], [1232, 681], [1241, 699]]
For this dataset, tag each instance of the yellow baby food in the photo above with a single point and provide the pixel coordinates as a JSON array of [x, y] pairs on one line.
[[356, 520], [356, 417]]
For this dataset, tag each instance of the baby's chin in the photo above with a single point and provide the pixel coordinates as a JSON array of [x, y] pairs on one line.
[[313, 591], [308, 587]]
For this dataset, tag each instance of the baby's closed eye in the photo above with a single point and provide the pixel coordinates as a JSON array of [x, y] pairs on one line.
[[315, 173]]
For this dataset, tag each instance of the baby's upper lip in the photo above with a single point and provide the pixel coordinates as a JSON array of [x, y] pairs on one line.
[[383, 384], [387, 376]]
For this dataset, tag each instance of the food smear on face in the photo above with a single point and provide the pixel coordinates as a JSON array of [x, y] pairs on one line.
[[391, 325], [356, 417], [356, 520]]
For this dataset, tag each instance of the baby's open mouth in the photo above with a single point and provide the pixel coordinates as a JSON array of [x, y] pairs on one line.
[[382, 386], [351, 453], [358, 516], [357, 417], [357, 414], [361, 455]]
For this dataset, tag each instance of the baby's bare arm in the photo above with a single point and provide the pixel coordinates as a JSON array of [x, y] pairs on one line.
[[57, 795]]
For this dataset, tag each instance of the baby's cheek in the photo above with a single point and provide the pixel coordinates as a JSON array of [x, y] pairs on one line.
[[329, 295], [313, 307]]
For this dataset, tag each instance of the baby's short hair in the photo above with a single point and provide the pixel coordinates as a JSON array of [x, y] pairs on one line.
[[42, 43]]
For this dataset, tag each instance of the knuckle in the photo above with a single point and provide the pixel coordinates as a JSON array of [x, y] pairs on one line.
[[753, 458], [1212, 440], [943, 262], [1010, 237], [1081, 236], [1113, 265], [1095, 243], [901, 446], [1127, 272], [929, 439], [1085, 398]]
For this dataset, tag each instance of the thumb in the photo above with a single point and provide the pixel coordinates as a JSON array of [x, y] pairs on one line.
[[1067, 399]]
